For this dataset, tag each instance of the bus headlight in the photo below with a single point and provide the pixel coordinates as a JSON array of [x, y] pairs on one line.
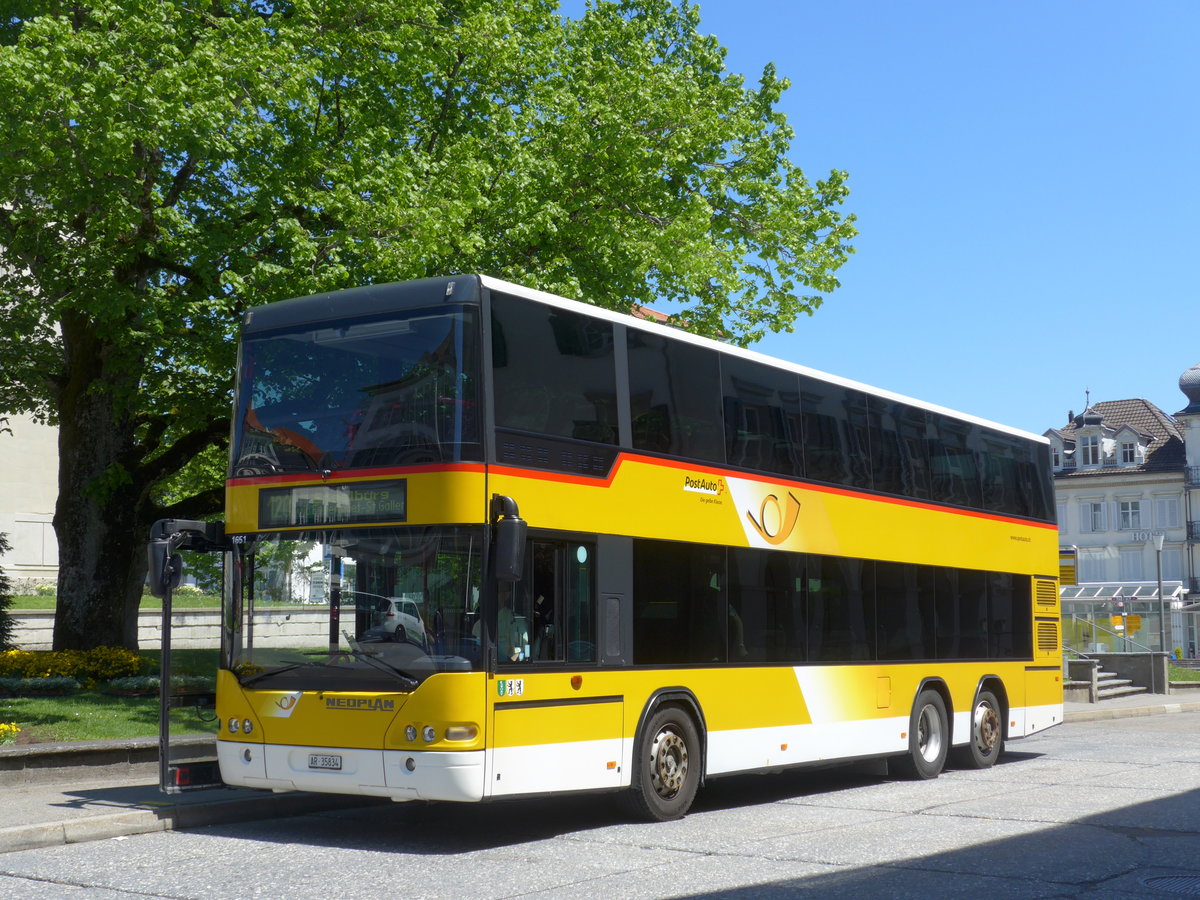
[[234, 725], [410, 733], [429, 733], [247, 726]]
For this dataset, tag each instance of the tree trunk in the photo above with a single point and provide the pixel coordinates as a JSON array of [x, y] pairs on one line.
[[100, 514], [101, 540]]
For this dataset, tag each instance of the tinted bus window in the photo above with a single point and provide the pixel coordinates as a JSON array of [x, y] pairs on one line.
[[554, 372], [889, 464], [1033, 471], [1009, 617], [962, 614], [952, 461], [899, 449], [675, 397], [766, 601], [679, 601], [841, 609], [835, 435], [1000, 476], [762, 417], [904, 611]]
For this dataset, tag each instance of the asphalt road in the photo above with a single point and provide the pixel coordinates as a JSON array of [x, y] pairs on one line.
[[1104, 809]]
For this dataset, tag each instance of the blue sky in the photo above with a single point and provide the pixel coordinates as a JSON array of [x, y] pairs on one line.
[[1026, 183]]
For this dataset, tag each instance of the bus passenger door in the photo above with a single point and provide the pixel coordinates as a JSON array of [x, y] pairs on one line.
[[554, 728]]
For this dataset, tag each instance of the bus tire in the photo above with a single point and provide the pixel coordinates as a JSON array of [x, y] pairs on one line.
[[666, 767], [986, 740], [928, 737]]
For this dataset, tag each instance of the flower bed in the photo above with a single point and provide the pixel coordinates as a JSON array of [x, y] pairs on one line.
[[53, 686], [88, 667]]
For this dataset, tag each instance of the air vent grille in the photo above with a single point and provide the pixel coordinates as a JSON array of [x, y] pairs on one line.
[[1047, 593], [1047, 635]]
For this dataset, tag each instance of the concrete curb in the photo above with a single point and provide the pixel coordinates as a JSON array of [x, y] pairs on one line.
[[1128, 712]]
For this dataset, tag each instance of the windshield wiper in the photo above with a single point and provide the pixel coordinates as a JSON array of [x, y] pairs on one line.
[[358, 652], [259, 676], [287, 667]]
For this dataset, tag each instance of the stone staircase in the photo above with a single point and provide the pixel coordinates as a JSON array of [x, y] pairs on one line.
[[1110, 685]]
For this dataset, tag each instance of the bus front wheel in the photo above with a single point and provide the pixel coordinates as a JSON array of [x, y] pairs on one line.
[[928, 737], [666, 767]]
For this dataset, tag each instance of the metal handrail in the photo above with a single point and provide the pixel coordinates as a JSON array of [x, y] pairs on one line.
[[1126, 639]]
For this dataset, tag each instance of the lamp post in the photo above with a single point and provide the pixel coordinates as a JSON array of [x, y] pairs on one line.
[[1162, 615]]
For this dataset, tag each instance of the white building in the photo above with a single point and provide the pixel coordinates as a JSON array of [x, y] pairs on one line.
[[28, 491], [1126, 475]]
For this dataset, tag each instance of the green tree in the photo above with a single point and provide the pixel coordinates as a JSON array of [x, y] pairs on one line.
[[167, 163]]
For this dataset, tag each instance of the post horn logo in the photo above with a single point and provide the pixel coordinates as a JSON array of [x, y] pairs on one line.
[[770, 513]]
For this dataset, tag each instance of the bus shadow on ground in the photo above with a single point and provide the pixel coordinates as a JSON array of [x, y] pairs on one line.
[[447, 829], [1145, 849]]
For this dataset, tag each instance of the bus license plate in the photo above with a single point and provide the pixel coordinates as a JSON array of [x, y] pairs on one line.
[[324, 761]]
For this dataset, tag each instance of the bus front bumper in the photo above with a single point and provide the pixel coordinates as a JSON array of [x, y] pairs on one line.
[[400, 775]]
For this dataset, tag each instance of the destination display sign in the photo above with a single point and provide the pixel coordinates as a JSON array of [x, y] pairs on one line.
[[333, 504]]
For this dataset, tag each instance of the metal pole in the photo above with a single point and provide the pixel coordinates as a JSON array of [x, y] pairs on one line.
[[1162, 621], [1162, 614]]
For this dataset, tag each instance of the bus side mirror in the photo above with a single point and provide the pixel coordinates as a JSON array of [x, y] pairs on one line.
[[509, 549], [166, 568], [169, 535]]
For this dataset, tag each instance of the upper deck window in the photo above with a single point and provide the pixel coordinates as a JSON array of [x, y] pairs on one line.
[[392, 390], [675, 397], [554, 371], [763, 429]]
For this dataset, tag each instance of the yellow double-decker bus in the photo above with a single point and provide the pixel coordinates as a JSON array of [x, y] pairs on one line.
[[486, 542]]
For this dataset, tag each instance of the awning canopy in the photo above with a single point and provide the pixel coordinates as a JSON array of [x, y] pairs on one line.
[[1109, 591]]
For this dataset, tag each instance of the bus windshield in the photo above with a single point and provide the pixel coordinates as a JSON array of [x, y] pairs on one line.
[[354, 609], [391, 390]]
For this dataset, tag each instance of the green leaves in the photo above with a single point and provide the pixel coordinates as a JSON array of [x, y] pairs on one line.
[[169, 162]]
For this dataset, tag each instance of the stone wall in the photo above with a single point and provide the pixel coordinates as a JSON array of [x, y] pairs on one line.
[[191, 629]]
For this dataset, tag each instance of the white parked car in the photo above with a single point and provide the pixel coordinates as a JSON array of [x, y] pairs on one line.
[[400, 617], [392, 618]]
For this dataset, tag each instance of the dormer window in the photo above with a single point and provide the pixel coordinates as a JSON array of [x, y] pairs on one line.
[[1055, 457], [1089, 449], [1129, 453]]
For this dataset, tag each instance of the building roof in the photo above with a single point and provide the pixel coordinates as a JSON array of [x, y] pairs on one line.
[[1164, 449]]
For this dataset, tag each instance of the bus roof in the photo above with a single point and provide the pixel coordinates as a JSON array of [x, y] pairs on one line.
[[656, 328]]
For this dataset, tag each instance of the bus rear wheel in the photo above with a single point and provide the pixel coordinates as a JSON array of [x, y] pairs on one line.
[[987, 735], [666, 767], [928, 737]]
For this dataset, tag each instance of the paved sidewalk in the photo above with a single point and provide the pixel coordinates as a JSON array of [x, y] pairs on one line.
[[67, 793]]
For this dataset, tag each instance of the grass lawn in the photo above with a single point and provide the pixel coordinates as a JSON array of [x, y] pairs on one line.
[[94, 715], [186, 600], [1175, 673], [91, 716]]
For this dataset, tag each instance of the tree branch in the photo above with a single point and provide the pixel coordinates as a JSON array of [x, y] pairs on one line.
[[183, 451], [197, 506], [180, 181]]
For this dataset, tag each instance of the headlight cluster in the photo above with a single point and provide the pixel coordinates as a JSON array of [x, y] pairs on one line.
[[245, 726], [429, 734]]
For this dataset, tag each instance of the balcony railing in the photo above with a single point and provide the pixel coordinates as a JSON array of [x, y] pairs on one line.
[[1193, 475], [1194, 531]]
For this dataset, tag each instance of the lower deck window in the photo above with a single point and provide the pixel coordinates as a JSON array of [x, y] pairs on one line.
[[697, 604]]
